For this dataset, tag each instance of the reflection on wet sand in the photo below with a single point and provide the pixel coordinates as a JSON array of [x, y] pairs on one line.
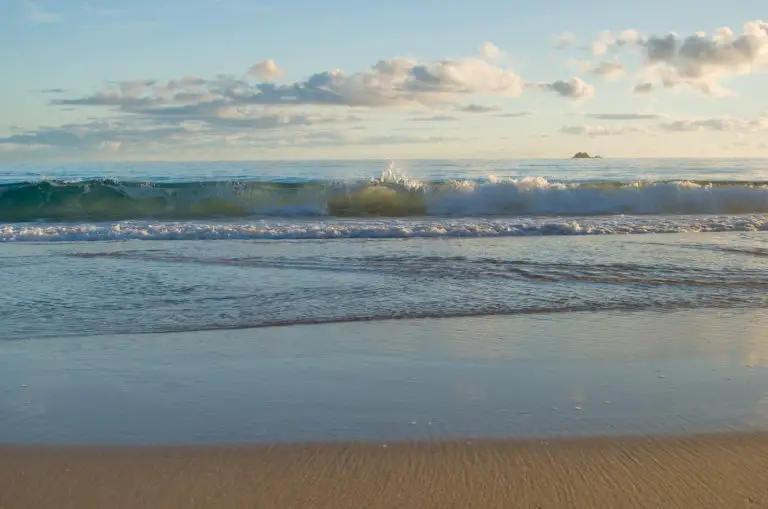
[[571, 374]]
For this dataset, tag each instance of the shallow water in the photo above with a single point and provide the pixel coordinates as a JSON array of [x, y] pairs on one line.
[[568, 374], [73, 289]]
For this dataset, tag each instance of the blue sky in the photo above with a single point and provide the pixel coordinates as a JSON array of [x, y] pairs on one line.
[[232, 79]]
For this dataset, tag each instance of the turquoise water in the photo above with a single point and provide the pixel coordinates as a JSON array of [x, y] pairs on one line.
[[121, 282]]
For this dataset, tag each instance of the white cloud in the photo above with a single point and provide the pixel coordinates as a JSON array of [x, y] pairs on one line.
[[457, 77], [186, 83], [515, 114], [643, 88], [697, 61], [479, 108], [575, 88], [436, 118], [335, 139], [135, 132], [599, 47], [609, 40], [737, 126], [623, 116], [226, 109], [266, 70], [629, 37], [719, 124], [598, 130], [609, 69], [392, 82], [490, 50], [99, 134]]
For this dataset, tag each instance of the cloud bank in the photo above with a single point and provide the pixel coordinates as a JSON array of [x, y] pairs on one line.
[[392, 82], [698, 61], [333, 106], [736, 125], [231, 108]]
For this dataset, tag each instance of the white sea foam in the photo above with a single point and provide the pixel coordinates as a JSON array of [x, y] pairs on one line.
[[381, 228]]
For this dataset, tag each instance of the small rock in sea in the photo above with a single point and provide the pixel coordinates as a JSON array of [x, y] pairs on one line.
[[662, 376]]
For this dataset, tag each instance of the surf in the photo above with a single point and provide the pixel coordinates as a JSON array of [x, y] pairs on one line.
[[98, 200], [291, 229]]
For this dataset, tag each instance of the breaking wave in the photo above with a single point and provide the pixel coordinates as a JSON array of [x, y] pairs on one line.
[[112, 200], [383, 228]]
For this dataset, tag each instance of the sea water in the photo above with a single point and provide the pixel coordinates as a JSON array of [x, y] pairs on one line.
[[360, 273]]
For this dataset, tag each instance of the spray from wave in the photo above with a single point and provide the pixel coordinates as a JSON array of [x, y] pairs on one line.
[[392, 195]]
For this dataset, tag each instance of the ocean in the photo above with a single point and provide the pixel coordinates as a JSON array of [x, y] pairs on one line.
[[264, 301]]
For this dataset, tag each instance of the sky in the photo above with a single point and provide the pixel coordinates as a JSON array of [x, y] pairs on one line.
[[112, 80]]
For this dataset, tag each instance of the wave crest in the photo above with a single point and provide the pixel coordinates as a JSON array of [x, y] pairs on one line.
[[110, 200]]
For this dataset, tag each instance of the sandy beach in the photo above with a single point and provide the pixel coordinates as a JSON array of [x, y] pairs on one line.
[[726, 470]]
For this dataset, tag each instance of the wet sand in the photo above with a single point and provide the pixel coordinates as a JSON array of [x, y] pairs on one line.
[[569, 374], [725, 470]]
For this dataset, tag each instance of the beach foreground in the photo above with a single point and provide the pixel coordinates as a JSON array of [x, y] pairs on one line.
[[725, 470]]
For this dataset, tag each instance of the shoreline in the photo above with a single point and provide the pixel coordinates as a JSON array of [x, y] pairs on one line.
[[709, 470]]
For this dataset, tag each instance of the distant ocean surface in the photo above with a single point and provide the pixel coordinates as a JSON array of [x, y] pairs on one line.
[[240, 245]]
